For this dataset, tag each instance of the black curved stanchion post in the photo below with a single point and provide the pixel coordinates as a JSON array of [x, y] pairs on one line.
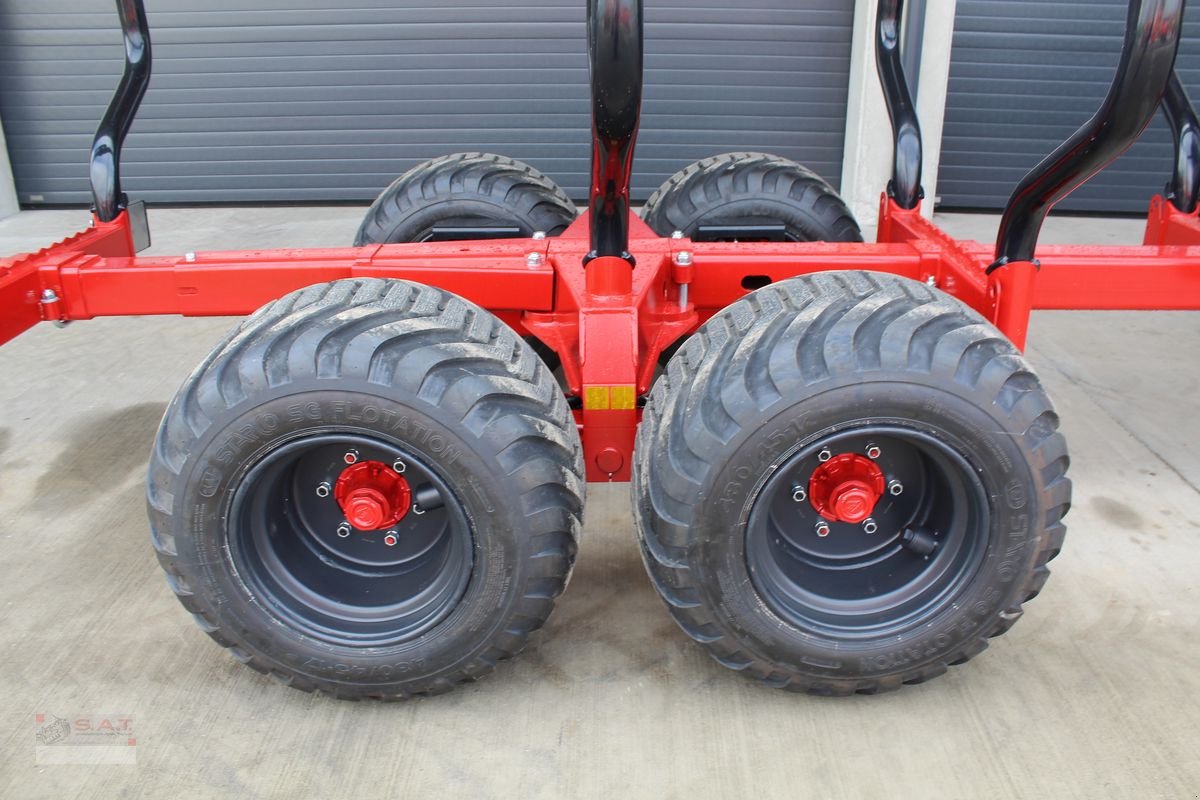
[[1147, 62], [615, 63], [1184, 189], [106, 147], [905, 187]]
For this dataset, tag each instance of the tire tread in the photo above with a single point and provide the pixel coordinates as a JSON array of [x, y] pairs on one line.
[[525, 195], [848, 306], [319, 331], [701, 188]]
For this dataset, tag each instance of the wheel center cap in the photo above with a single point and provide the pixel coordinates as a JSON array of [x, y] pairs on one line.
[[853, 501], [367, 509], [372, 495], [846, 488]]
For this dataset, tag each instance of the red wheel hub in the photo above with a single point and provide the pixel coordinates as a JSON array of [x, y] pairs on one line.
[[372, 495], [846, 488]]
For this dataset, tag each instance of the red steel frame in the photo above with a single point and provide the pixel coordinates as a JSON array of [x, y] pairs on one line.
[[608, 322]]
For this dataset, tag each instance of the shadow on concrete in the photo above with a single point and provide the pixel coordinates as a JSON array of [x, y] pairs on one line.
[[102, 452], [610, 624]]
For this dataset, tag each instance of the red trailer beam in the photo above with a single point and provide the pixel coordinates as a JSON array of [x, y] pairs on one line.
[[1078, 277], [1118, 278], [496, 276], [94, 273]]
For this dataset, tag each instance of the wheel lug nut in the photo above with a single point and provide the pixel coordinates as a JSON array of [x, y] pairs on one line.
[[399, 465], [323, 489], [343, 530], [798, 493], [351, 457], [824, 455], [822, 529], [873, 451], [869, 525], [896, 488], [390, 539]]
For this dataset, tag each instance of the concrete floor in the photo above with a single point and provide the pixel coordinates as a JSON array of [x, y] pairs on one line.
[[1092, 694]]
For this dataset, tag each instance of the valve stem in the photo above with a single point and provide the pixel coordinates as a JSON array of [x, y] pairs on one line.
[[919, 540]]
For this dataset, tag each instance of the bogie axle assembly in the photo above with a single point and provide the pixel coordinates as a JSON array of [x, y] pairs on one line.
[[845, 476]]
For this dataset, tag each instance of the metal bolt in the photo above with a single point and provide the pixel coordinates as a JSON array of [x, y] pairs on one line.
[[896, 488], [399, 466], [390, 539], [676, 234], [683, 258], [351, 457], [822, 529], [49, 296], [343, 530], [683, 295], [533, 260], [798, 494], [323, 489], [931, 281], [539, 235], [189, 257], [873, 451], [824, 455], [869, 525]]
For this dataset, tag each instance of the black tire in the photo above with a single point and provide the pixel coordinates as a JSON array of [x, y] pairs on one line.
[[814, 362], [390, 370], [751, 188], [466, 190]]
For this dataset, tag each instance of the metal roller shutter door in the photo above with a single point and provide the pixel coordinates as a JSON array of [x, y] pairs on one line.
[[281, 100], [1023, 76]]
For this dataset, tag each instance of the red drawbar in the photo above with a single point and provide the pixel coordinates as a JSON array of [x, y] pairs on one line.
[[846, 488], [372, 495]]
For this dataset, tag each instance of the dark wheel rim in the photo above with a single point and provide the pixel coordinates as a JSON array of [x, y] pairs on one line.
[[291, 545], [930, 531]]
